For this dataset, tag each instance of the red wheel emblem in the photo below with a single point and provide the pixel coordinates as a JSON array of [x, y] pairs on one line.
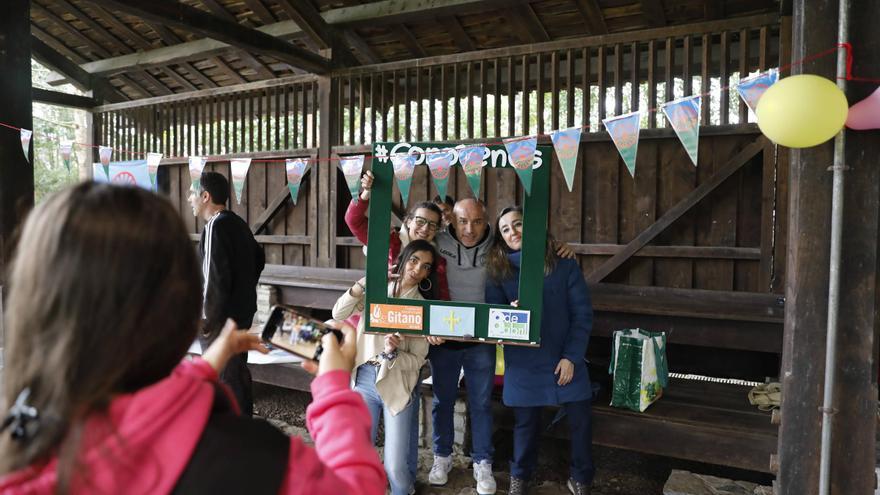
[[124, 178]]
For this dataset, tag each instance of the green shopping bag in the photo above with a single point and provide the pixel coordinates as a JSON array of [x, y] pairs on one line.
[[638, 364]]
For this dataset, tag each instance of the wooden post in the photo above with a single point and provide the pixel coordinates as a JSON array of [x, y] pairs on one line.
[[324, 223], [853, 456], [16, 172]]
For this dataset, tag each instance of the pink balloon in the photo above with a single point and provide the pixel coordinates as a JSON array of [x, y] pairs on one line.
[[865, 114]]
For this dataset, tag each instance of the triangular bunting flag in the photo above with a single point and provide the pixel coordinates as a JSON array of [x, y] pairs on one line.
[[99, 173], [752, 88], [351, 169], [521, 154], [196, 165], [566, 142], [471, 159], [296, 169], [104, 153], [65, 149], [439, 163], [684, 115], [153, 160], [404, 165], [26, 143], [240, 168], [624, 131]]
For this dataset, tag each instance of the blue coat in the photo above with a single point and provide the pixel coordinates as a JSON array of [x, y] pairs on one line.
[[566, 323]]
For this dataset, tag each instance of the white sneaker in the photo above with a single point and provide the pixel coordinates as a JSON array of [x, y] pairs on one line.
[[440, 470], [485, 480]]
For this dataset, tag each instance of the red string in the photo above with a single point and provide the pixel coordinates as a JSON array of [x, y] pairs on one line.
[[849, 77]]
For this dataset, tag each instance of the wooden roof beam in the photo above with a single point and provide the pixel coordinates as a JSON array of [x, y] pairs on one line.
[[593, 16], [62, 99], [218, 10], [261, 11], [198, 21], [47, 56], [307, 17], [410, 42], [381, 12], [170, 38], [459, 35], [653, 12], [95, 47], [367, 54]]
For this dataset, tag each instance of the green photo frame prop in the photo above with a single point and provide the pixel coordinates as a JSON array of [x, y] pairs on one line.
[[377, 310]]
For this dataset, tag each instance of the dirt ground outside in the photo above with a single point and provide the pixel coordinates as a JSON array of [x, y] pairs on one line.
[[618, 472]]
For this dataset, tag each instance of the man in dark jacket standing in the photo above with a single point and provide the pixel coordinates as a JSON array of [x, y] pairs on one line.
[[231, 265]]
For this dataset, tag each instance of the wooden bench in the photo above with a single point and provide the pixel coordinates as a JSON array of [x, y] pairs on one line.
[[716, 333]]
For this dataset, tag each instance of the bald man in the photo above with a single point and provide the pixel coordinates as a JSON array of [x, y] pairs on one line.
[[464, 245]]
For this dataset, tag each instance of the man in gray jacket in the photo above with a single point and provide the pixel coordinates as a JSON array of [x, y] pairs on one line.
[[464, 245]]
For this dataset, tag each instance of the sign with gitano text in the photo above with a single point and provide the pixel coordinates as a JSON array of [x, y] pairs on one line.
[[396, 316]]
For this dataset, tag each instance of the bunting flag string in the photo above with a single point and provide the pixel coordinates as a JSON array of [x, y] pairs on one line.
[[439, 163], [351, 169], [65, 149], [26, 142], [624, 132], [752, 88], [104, 153], [567, 142], [471, 159], [521, 154], [153, 161], [296, 169], [684, 115], [404, 165], [196, 166], [239, 168]]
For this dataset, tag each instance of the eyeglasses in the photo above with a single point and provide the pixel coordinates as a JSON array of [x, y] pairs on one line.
[[421, 222]]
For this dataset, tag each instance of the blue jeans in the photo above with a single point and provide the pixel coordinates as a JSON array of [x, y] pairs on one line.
[[479, 374], [401, 431], [527, 433]]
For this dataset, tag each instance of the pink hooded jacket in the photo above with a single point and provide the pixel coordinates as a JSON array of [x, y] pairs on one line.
[[151, 435]]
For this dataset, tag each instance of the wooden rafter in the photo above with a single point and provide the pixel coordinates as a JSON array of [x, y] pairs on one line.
[[409, 41], [652, 11], [713, 9], [128, 80], [593, 16], [170, 38], [458, 34], [682, 207], [197, 21], [325, 36], [226, 69], [46, 55], [62, 99], [381, 12], [56, 45], [72, 31], [261, 11], [533, 24], [218, 10], [119, 45], [367, 54]]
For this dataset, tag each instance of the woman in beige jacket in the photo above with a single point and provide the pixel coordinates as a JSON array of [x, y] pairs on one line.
[[387, 367]]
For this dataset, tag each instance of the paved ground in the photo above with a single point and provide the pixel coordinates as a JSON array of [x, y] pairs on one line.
[[618, 472]]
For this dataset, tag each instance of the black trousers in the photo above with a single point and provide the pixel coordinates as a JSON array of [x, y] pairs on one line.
[[237, 377]]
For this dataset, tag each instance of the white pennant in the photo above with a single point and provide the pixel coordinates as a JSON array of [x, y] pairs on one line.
[[26, 142]]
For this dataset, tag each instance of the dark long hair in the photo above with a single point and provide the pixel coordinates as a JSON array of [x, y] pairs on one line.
[[406, 253], [497, 263], [104, 299]]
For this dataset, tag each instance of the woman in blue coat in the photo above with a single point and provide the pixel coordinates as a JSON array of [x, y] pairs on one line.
[[554, 374]]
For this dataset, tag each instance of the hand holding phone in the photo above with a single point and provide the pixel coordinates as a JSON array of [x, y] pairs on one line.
[[296, 333]]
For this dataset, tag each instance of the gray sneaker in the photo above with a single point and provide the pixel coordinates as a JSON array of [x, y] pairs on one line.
[[518, 486], [578, 488], [440, 470]]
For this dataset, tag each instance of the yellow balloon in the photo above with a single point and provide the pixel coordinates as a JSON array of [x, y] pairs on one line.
[[802, 111]]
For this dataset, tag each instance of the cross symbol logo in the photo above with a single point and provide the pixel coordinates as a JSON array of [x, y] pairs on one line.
[[452, 321]]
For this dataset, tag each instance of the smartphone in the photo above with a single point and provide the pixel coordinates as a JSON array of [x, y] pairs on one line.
[[296, 333]]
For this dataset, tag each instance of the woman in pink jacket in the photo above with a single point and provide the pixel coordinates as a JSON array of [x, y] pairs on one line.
[[105, 299]]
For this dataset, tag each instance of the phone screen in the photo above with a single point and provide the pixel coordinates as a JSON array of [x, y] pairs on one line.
[[295, 333]]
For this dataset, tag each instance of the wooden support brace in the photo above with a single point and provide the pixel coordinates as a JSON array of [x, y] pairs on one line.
[[678, 210]]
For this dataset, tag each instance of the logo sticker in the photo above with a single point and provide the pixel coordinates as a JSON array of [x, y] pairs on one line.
[[396, 316], [508, 324], [452, 321]]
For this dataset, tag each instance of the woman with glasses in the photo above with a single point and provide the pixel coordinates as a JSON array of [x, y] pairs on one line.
[[554, 374], [423, 221], [387, 367]]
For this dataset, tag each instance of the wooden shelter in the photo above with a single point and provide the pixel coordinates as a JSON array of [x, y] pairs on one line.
[[729, 257]]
